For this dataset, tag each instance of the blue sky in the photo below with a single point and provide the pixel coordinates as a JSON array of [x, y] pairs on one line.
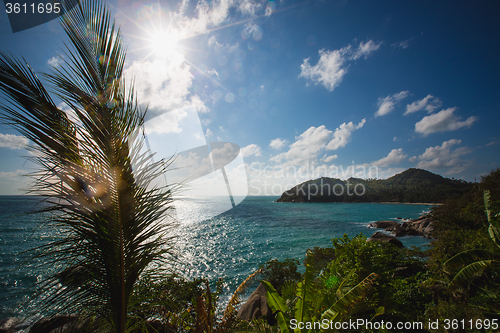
[[312, 88]]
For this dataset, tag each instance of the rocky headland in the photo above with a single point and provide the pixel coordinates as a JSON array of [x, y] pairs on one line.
[[410, 186]]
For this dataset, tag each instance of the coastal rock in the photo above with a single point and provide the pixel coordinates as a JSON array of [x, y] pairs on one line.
[[421, 217], [256, 306], [398, 231], [55, 324], [429, 231], [384, 224], [8, 325], [63, 324], [422, 226], [379, 236]]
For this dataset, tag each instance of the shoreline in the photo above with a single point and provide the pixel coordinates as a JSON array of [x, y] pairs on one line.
[[412, 203], [369, 202]]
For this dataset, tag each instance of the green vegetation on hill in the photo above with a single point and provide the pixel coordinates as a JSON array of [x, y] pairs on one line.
[[411, 186]]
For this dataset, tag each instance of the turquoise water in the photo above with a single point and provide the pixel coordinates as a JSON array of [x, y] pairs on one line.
[[231, 245]]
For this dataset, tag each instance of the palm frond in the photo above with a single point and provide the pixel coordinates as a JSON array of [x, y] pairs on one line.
[[494, 227], [99, 182], [466, 257], [468, 272], [230, 311], [40, 120], [205, 312], [349, 300]]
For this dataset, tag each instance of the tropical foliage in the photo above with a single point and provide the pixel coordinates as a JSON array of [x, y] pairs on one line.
[[472, 263], [317, 304], [279, 273]]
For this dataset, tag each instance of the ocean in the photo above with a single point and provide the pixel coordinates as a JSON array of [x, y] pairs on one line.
[[231, 245]]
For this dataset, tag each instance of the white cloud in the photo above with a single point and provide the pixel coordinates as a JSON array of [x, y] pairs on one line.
[[277, 143], [161, 85], [227, 48], [442, 121], [443, 156], [222, 156], [13, 141], [328, 159], [250, 150], [167, 122], [428, 103], [332, 65], [207, 16], [342, 135], [329, 71], [387, 104], [198, 104], [10, 175], [70, 113], [164, 88], [365, 49], [402, 44], [55, 61], [394, 157], [209, 133], [249, 7], [314, 140], [491, 143], [211, 14], [306, 146]]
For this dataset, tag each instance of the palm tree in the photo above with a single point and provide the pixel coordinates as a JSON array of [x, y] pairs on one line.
[[95, 176]]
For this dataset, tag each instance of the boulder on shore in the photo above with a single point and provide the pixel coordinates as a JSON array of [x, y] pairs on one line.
[[379, 236], [423, 226], [384, 224], [57, 323], [397, 231], [8, 325], [256, 306]]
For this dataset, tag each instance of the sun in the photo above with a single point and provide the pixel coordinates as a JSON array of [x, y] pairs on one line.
[[164, 43]]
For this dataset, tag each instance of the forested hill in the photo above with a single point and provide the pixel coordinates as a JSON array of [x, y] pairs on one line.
[[411, 186]]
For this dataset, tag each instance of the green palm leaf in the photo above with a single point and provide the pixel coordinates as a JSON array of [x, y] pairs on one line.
[[278, 305], [305, 291], [346, 302], [467, 257], [493, 228], [471, 270]]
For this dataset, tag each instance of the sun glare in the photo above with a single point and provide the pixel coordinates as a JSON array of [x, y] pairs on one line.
[[164, 43]]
